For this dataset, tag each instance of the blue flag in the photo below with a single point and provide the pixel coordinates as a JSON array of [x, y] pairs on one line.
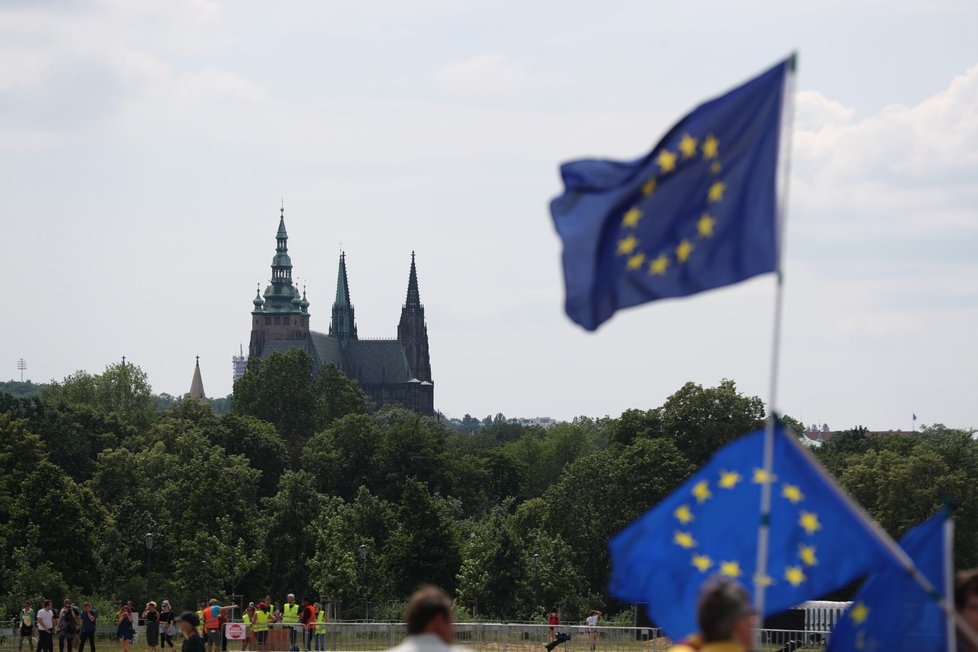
[[698, 212], [891, 612], [709, 526]]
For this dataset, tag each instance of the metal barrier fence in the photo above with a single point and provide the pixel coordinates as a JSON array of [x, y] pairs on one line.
[[479, 637]]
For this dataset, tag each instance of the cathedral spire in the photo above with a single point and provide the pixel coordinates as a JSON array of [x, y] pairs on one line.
[[343, 325], [197, 384], [413, 294]]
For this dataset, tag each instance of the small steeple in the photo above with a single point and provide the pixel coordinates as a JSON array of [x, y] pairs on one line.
[[258, 301], [413, 294], [343, 325], [305, 302], [197, 385]]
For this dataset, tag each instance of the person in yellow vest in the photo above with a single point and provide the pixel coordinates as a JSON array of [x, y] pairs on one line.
[[200, 614], [263, 616], [290, 618], [248, 618], [320, 628]]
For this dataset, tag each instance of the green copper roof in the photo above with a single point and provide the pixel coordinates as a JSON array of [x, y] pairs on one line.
[[343, 325]]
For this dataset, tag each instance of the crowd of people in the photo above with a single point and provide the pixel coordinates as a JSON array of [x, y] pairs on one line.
[[75, 627]]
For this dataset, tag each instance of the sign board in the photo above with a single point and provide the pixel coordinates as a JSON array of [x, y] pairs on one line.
[[235, 631]]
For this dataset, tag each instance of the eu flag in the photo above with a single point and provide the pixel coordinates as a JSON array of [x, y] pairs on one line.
[[817, 543], [891, 612], [698, 212]]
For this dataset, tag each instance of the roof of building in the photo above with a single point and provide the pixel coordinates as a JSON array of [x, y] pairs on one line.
[[197, 384], [377, 361]]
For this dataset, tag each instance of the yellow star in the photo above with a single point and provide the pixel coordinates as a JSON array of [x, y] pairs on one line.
[[809, 521], [631, 217], [792, 493], [666, 160], [763, 580], [729, 479], [684, 540], [704, 226], [795, 575], [730, 569], [715, 193], [807, 554], [711, 146], [636, 261], [715, 167], [659, 266], [627, 245], [683, 514], [683, 251], [687, 145], [761, 476], [701, 490], [648, 187], [702, 563], [859, 613]]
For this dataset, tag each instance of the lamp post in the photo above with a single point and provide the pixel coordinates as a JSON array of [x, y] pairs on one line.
[[363, 580], [149, 564], [536, 580]]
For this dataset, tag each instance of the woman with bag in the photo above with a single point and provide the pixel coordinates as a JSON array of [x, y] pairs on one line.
[[168, 627]]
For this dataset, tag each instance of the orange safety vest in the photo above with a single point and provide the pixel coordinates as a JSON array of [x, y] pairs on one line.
[[211, 620]]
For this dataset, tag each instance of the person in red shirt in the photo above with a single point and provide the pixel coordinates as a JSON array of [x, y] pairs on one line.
[[554, 619], [307, 616]]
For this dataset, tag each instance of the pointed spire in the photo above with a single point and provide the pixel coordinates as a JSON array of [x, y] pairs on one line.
[[413, 294], [197, 384], [282, 236], [343, 324]]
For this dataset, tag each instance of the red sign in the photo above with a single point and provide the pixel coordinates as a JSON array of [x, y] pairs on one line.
[[235, 631]]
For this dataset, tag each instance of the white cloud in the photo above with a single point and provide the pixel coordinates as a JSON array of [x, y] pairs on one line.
[[489, 74]]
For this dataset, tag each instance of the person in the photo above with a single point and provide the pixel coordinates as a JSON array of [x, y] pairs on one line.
[[188, 623], [152, 619], [248, 618], [200, 614], [429, 622], [45, 628], [725, 618], [271, 606], [26, 626], [126, 630], [68, 625], [168, 627], [260, 625], [290, 618], [553, 619], [320, 627], [308, 619], [966, 604], [213, 614], [592, 627], [89, 623]]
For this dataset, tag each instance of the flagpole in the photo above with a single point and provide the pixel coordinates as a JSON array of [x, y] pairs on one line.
[[952, 639], [784, 176], [896, 552]]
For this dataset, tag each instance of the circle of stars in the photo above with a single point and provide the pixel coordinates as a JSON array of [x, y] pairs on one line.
[[702, 492], [658, 263]]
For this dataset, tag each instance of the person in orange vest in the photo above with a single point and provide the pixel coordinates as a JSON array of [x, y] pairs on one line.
[[213, 615], [308, 619]]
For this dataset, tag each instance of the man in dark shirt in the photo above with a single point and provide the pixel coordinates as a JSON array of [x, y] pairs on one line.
[[87, 633]]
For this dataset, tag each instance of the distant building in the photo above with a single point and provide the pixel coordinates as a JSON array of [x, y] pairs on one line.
[[389, 371], [239, 363], [197, 384], [543, 422], [817, 436]]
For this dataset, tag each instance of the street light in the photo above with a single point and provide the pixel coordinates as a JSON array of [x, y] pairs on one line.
[[149, 564], [536, 580], [363, 580]]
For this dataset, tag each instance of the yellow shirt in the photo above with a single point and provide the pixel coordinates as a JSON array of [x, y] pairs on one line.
[[290, 613], [261, 621], [720, 646]]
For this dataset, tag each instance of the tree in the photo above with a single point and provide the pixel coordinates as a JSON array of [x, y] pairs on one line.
[[343, 457], [122, 389], [336, 397], [278, 389], [493, 567], [601, 493], [21, 451], [424, 546], [700, 421], [289, 533]]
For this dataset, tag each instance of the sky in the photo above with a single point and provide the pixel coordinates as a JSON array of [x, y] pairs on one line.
[[145, 148]]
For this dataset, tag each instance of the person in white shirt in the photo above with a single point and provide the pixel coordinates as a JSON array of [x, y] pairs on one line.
[[592, 627], [45, 628], [429, 622]]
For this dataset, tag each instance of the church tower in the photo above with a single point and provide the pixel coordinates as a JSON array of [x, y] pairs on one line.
[[197, 384], [412, 332], [343, 326], [283, 313]]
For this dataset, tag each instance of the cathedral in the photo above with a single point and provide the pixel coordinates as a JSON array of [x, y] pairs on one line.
[[389, 371]]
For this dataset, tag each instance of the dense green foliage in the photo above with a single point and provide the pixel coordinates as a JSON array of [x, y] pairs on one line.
[[302, 488]]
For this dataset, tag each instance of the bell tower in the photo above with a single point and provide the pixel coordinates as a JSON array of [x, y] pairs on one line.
[[412, 331], [282, 313]]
